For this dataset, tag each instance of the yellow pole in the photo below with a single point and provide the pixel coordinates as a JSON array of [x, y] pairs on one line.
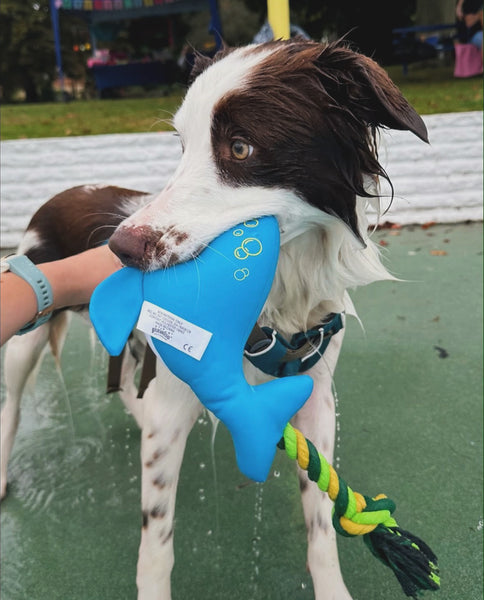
[[278, 17]]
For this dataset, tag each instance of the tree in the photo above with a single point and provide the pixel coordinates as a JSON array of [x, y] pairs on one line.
[[26, 48], [430, 12], [27, 53], [239, 24]]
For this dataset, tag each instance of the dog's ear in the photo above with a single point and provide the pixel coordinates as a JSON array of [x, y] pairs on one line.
[[360, 84], [202, 61]]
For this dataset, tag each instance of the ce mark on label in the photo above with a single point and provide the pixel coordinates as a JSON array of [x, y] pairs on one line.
[[187, 348]]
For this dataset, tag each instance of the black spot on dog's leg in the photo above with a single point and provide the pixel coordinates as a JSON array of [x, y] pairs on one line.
[[158, 512], [166, 537], [159, 482], [303, 483], [155, 457]]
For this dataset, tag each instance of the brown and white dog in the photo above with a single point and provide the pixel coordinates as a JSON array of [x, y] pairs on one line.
[[282, 128]]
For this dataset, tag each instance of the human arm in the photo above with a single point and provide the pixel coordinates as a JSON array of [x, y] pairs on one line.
[[72, 280], [458, 10]]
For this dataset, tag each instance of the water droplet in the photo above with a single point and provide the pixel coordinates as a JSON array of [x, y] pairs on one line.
[[303, 586], [202, 465], [277, 474]]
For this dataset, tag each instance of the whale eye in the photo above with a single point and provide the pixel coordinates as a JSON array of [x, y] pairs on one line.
[[241, 150]]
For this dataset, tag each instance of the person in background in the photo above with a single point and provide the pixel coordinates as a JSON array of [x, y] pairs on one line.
[[469, 22]]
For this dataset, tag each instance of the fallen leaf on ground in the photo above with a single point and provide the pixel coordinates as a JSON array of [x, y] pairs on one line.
[[442, 352], [388, 225]]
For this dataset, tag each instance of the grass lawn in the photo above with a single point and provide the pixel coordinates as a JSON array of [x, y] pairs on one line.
[[430, 89], [434, 90], [88, 117]]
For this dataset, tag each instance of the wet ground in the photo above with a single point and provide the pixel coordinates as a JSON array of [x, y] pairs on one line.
[[410, 425]]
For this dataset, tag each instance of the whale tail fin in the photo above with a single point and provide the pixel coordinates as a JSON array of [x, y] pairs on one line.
[[257, 426]]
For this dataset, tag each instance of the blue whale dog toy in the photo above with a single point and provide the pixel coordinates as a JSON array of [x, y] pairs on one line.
[[197, 316]]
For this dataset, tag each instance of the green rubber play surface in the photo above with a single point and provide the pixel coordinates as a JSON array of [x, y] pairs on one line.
[[410, 425]]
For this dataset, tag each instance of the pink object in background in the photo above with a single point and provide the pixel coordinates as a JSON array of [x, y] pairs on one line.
[[101, 57], [468, 60]]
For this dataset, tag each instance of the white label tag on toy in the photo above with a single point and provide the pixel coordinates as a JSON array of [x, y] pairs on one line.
[[173, 330]]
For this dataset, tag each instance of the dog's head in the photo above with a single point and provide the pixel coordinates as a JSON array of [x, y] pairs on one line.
[[282, 128]]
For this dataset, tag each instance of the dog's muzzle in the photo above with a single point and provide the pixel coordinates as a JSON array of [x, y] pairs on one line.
[[142, 247]]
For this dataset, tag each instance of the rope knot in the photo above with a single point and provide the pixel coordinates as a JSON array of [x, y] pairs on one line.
[[354, 514]]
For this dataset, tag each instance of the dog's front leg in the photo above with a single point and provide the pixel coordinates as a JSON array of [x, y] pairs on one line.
[[316, 420], [170, 412]]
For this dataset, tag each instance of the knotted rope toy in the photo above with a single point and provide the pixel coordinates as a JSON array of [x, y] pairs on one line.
[[197, 317], [412, 561]]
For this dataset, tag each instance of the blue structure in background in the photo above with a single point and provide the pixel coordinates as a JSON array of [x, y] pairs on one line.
[[103, 11]]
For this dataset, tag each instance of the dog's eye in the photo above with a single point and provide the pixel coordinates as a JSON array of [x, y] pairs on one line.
[[240, 149]]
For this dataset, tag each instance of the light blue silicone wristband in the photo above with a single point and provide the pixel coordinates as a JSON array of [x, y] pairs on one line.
[[23, 267]]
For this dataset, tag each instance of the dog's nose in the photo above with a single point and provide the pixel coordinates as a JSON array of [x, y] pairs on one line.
[[132, 245]]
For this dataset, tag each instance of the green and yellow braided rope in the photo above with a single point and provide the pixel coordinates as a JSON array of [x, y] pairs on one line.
[[412, 561]]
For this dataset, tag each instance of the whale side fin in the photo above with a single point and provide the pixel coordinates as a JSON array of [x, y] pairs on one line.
[[115, 306]]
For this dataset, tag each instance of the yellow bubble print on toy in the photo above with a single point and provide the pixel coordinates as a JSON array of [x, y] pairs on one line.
[[249, 247]]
